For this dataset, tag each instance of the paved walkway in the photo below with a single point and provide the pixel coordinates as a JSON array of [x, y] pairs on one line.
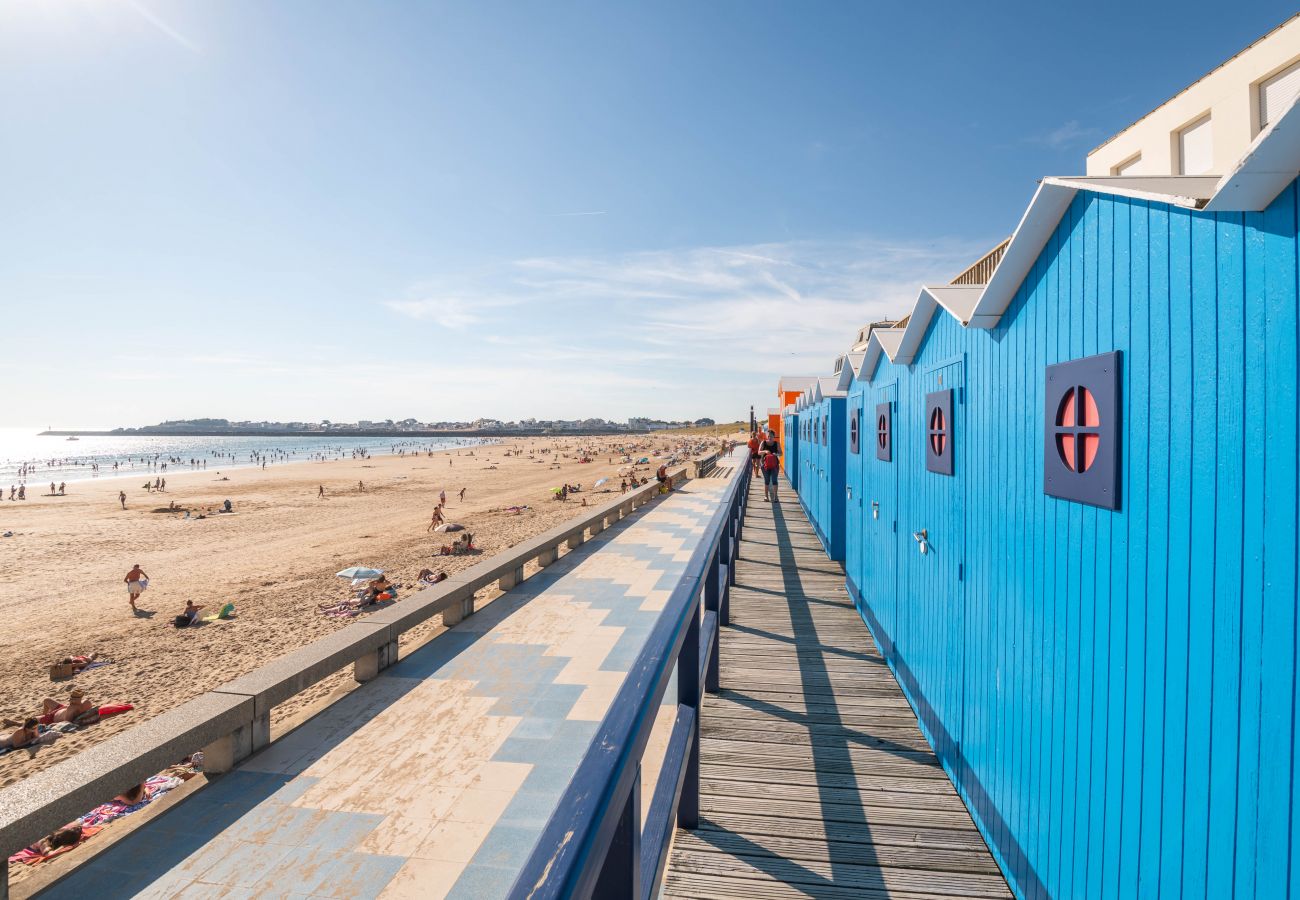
[[435, 779], [815, 778]]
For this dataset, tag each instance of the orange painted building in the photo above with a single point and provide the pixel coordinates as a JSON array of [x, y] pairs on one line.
[[788, 390]]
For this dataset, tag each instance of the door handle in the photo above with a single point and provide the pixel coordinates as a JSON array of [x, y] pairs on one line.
[[922, 539]]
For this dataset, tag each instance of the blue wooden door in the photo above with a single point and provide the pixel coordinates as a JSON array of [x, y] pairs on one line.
[[881, 515], [854, 488], [938, 528]]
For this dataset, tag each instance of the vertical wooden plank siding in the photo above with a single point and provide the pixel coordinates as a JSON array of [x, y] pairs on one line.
[[1113, 693]]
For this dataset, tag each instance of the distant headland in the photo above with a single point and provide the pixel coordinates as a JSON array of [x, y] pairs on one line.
[[406, 428]]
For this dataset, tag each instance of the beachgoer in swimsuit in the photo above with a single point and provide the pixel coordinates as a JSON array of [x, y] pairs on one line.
[[22, 737], [192, 611], [53, 711], [121, 498], [135, 580]]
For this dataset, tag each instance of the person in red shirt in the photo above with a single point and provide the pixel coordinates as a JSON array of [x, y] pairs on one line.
[[753, 451], [769, 457]]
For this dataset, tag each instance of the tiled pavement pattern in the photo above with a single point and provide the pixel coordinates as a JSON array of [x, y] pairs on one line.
[[435, 779]]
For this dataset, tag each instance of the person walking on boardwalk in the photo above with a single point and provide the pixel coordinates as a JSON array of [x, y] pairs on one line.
[[769, 456], [753, 450]]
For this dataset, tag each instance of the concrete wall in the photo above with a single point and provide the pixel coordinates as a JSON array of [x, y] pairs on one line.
[[1229, 94]]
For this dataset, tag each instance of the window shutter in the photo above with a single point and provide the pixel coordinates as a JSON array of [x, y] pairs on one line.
[[1196, 148], [1130, 166], [1081, 430], [1276, 93]]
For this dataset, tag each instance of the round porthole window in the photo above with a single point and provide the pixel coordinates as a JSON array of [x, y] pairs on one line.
[[1078, 429], [938, 432]]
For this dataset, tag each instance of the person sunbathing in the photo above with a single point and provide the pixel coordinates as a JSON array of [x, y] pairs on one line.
[[53, 711], [377, 587], [79, 663], [132, 796], [24, 736], [427, 577], [67, 836]]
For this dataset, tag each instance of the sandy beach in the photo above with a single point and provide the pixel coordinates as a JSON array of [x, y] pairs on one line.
[[274, 557]]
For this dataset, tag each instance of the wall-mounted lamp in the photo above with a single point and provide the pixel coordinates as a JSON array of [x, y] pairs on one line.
[[922, 539], [849, 488], [875, 509]]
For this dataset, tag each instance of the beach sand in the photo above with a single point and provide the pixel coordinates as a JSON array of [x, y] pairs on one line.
[[275, 557]]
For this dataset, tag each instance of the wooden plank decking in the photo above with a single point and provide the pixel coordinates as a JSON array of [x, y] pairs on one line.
[[815, 778]]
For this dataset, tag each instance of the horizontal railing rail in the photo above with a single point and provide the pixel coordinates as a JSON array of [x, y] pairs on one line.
[[594, 844], [232, 721]]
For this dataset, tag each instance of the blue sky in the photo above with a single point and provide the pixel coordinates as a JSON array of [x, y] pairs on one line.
[[305, 210]]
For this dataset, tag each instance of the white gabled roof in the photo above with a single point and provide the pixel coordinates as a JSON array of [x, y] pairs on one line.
[[1268, 166], [882, 340], [851, 363], [829, 386], [795, 382], [958, 300], [1271, 163]]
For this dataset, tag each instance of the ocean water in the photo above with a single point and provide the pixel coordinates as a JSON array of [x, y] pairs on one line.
[[27, 457]]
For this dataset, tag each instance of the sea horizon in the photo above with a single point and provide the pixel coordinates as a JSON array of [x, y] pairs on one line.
[[51, 458]]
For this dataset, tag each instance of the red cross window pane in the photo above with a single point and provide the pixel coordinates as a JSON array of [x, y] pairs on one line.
[[938, 432], [1078, 429]]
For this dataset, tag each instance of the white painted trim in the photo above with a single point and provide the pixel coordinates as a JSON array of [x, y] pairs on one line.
[[1271, 163]]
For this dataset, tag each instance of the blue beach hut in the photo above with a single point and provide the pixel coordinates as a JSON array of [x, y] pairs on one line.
[[1076, 529]]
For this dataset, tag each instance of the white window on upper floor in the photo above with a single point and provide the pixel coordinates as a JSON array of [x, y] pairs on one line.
[[1196, 148], [1276, 93], [1130, 166]]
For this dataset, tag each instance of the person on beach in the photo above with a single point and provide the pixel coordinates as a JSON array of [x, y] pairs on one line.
[[191, 611], [361, 486], [769, 454], [51, 488], [320, 492], [25, 736], [437, 518], [53, 711], [121, 498], [135, 580], [426, 576], [442, 498], [462, 495], [62, 485]]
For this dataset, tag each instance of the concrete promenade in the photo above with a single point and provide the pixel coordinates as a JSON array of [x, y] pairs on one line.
[[436, 778]]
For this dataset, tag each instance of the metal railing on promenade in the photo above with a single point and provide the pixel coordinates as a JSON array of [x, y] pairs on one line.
[[594, 844], [232, 722]]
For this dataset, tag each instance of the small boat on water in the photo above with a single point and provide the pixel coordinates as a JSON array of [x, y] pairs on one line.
[[73, 437]]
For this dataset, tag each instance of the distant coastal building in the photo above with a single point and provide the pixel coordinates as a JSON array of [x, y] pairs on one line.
[[1209, 125], [1068, 492]]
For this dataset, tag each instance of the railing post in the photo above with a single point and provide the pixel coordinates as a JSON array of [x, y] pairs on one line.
[[688, 694], [711, 605], [620, 873]]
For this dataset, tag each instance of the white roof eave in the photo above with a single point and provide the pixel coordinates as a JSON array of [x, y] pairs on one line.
[[1271, 163], [1268, 166]]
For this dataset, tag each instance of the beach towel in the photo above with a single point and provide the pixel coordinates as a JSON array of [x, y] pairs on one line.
[[31, 856], [224, 613], [111, 709], [115, 809]]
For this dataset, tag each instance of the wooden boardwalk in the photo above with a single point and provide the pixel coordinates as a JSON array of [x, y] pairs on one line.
[[815, 778]]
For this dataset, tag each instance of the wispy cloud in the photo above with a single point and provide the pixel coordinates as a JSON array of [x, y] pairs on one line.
[[153, 19], [1067, 134], [712, 324]]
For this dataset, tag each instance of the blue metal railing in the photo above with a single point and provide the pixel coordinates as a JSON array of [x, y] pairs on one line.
[[594, 844]]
